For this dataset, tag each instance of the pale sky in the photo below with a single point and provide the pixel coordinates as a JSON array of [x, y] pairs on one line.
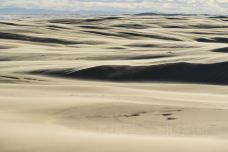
[[164, 6]]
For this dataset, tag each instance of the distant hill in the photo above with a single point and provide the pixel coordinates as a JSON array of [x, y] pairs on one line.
[[163, 14]]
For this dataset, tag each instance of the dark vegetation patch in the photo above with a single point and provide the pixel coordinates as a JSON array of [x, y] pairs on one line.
[[134, 114], [167, 114], [171, 118]]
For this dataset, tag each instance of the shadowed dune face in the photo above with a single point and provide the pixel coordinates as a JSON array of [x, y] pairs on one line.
[[133, 35], [12, 36], [162, 45], [214, 40], [85, 21], [11, 24], [131, 26], [222, 50], [173, 72]]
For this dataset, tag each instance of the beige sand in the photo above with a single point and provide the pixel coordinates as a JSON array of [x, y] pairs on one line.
[[108, 84]]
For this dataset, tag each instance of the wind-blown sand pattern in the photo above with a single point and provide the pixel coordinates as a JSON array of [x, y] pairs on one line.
[[108, 84]]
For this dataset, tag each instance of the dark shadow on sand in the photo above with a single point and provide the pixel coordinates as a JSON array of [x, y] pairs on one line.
[[216, 73]]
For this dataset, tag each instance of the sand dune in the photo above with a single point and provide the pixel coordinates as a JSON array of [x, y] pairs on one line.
[[120, 83], [173, 72], [12, 36]]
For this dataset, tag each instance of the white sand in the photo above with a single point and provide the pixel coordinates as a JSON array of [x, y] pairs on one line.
[[43, 112]]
